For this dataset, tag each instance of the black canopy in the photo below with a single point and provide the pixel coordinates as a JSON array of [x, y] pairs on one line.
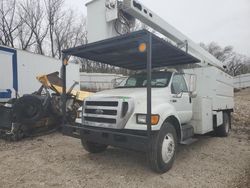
[[123, 51]]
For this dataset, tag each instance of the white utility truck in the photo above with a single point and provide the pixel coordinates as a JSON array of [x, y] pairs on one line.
[[153, 110]]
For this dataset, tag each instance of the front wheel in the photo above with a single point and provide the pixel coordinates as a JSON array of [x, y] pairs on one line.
[[163, 149], [93, 147]]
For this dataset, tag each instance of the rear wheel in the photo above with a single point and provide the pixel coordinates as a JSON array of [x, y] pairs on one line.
[[93, 147], [224, 129], [163, 149]]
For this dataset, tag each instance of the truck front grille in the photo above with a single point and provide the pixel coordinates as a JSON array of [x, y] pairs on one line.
[[101, 103], [100, 120], [107, 112]]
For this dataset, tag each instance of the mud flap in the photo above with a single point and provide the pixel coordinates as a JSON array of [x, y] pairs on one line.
[[5, 118]]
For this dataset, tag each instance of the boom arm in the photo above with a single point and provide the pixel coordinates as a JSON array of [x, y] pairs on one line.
[[145, 15], [115, 16]]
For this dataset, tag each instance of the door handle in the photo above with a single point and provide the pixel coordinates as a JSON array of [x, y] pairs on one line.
[[173, 100]]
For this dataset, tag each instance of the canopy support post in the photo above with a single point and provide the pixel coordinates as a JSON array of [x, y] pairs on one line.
[[63, 98], [149, 70]]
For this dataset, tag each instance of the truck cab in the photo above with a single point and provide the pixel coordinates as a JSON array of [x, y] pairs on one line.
[[125, 106]]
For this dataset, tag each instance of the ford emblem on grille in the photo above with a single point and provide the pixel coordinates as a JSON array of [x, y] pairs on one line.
[[99, 111]]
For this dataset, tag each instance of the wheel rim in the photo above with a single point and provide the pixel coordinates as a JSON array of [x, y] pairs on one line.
[[168, 148]]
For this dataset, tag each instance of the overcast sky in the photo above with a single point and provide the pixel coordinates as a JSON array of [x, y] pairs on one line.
[[226, 22]]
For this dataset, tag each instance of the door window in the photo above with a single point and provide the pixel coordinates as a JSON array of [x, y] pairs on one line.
[[178, 84]]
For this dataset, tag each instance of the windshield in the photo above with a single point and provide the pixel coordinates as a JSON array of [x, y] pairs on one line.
[[159, 79]]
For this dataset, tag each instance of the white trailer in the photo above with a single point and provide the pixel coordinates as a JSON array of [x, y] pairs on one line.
[[19, 69], [98, 81]]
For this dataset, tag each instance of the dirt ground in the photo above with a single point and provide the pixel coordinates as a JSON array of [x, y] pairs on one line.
[[59, 161]]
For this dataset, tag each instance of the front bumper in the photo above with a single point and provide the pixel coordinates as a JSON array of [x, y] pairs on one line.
[[128, 139]]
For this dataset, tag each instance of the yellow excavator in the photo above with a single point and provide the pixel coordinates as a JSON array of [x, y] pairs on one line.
[[41, 111], [54, 82]]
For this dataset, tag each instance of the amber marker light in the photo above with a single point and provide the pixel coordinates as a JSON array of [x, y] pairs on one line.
[[141, 119], [154, 119], [142, 47]]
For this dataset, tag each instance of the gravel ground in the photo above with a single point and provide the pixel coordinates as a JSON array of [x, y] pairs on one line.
[[59, 161]]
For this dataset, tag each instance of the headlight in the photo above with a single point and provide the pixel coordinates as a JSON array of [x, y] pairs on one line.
[[142, 119]]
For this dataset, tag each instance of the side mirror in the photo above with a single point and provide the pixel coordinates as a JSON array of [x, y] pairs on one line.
[[193, 94], [178, 95], [191, 81]]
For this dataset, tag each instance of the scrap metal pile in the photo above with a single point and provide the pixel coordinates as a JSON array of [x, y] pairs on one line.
[[39, 112]]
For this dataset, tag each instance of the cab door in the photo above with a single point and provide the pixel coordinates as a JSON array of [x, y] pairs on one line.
[[180, 98]]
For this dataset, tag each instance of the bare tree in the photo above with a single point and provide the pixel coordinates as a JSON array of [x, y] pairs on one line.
[[69, 33], [8, 24], [25, 34], [34, 19], [235, 63], [65, 28], [238, 64], [217, 51], [42, 26], [53, 14]]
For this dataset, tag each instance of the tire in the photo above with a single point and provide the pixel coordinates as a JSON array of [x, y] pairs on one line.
[[163, 149], [92, 147], [224, 129], [28, 109]]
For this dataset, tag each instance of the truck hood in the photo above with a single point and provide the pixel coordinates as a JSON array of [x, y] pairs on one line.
[[130, 92], [138, 97]]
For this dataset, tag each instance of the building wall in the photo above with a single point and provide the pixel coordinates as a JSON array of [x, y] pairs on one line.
[[242, 81]]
